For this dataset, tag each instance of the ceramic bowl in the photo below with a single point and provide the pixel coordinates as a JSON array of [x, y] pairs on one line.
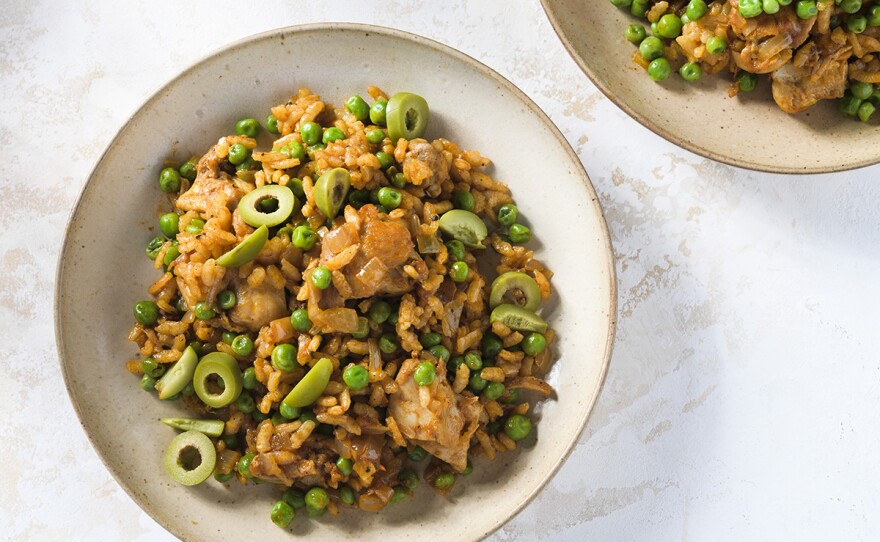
[[749, 131], [103, 271]]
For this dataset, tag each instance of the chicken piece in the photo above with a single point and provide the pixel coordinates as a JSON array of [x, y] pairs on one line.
[[424, 166], [257, 306], [429, 416], [213, 192], [385, 246], [769, 39], [818, 72]]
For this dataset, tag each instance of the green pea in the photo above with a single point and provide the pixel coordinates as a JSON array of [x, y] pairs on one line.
[[188, 169], [258, 416], [651, 48], [180, 305], [169, 180], [459, 271], [377, 112], [477, 383], [272, 124], [203, 311], [332, 134], [363, 328], [398, 180], [295, 150], [148, 383], [746, 81], [278, 419], [295, 498], [223, 477], [358, 107], [658, 70], [690, 71], [356, 377], [289, 412], [750, 8], [385, 159], [168, 224], [857, 24], [228, 337], [245, 403], [494, 427], [374, 137], [300, 321], [388, 343], [430, 339], [639, 8], [874, 16], [507, 214], [512, 396], [284, 357], [621, 3], [344, 464], [395, 314], [453, 363], [154, 246], [389, 198], [231, 441], [806, 9], [444, 481], [308, 416], [770, 6], [238, 153], [456, 250], [440, 352], [226, 299], [850, 6], [242, 345], [533, 344], [517, 427], [519, 233], [491, 345], [494, 390], [304, 238], [150, 366], [316, 147], [146, 312], [860, 90], [696, 9], [379, 312], [408, 479], [398, 495], [321, 278], [244, 465], [311, 133], [249, 376], [247, 127], [347, 495], [282, 514], [425, 373], [195, 226], [716, 45], [462, 199], [635, 33], [865, 111], [849, 105], [474, 361], [317, 498], [669, 26], [417, 454]]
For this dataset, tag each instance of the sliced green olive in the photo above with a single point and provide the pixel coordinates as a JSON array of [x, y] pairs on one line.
[[511, 281], [247, 250], [190, 458], [251, 210], [212, 428], [179, 375], [464, 226], [407, 116], [311, 386], [331, 189], [516, 317], [224, 367]]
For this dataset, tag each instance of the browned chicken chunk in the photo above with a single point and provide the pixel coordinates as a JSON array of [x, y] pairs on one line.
[[424, 166], [212, 193], [769, 39], [817, 72], [257, 306]]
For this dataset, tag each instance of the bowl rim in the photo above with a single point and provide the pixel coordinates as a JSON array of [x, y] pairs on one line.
[[668, 136], [148, 508]]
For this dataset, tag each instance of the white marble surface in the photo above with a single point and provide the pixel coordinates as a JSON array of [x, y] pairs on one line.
[[742, 399]]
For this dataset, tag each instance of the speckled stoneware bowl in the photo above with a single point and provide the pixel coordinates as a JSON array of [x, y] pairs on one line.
[[749, 131], [103, 271]]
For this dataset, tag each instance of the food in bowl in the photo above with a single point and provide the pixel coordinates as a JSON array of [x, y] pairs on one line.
[[324, 310], [812, 50]]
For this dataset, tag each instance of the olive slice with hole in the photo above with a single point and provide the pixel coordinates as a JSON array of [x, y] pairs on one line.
[[190, 458], [330, 191], [251, 205], [406, 116], [179, 375], [464, 226], [311, 386], [245, 251], [512, 281], [518, 318], [212, 428], [223, 366]]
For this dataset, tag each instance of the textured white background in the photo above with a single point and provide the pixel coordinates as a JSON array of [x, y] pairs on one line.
[[742, 399]]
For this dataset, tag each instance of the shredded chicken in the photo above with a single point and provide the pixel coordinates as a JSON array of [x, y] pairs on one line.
[[817, 72], [213, 192]]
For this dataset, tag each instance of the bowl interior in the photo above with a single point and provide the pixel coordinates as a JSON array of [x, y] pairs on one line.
[[748, 131], [103, 270]]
